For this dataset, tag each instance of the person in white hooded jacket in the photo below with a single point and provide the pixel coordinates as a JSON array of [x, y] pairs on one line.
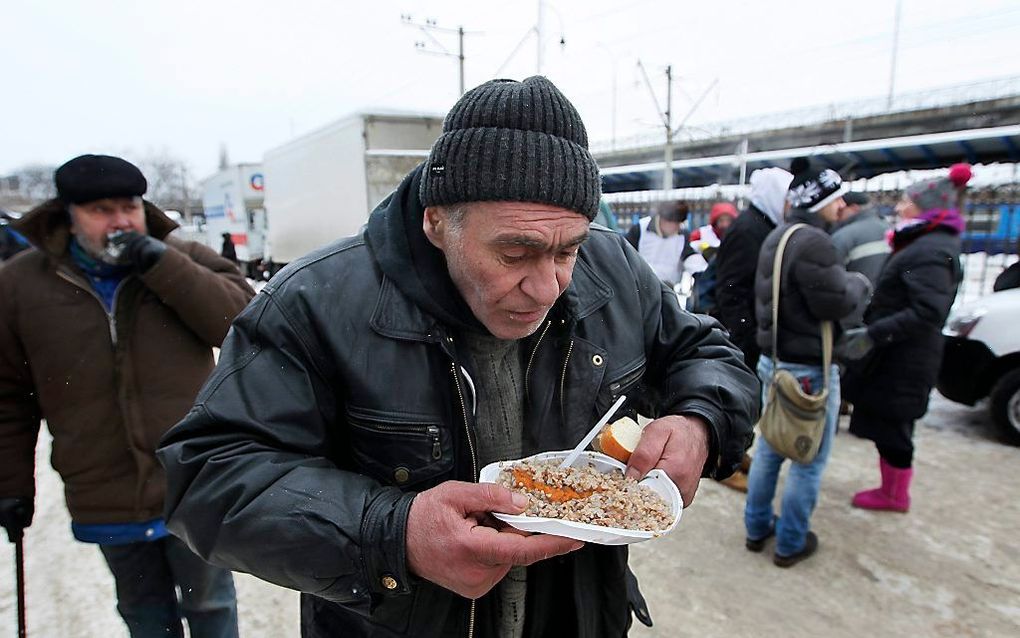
[[738, 258], [736, 264]]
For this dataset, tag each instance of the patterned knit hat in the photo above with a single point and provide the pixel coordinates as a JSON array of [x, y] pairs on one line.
[[513, 141], [940, 193], [813, 187]]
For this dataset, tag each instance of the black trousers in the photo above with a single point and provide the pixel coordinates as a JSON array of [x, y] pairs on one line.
[[148, 575], [894, 438]]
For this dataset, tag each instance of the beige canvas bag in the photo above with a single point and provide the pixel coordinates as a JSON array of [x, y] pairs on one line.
[[793, 421]]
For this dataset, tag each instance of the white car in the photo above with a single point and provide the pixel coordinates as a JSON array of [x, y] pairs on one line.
[[982, 358]]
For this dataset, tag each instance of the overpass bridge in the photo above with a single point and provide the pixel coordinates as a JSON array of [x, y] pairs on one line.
[[977, 123]]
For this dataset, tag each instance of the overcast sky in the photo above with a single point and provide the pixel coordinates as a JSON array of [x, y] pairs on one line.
[[187, 75]]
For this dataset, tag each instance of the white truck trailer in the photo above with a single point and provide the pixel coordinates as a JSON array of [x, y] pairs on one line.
[[322, 185], [232, 200]]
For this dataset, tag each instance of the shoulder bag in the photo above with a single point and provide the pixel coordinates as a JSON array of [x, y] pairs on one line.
[[793, 421]]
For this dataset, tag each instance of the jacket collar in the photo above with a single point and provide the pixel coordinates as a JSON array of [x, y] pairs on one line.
[[802, 216], [398, 317], [48, 226]]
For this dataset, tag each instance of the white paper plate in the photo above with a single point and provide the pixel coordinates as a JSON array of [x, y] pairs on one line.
[[657, 480]]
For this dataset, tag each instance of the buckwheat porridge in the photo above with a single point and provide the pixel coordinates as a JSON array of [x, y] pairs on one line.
[[585, 495]]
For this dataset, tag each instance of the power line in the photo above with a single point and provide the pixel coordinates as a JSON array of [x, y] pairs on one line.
[[430, 25]]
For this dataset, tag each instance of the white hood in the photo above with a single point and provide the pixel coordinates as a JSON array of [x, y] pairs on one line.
[[768, 191]]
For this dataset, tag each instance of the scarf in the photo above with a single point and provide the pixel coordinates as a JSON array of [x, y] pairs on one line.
[[907, 231]]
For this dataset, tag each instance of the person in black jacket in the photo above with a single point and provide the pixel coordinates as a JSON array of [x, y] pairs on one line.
[[738, 258], [477, 318], [815, 287], [735, 265], [899, 350], [227, 251]]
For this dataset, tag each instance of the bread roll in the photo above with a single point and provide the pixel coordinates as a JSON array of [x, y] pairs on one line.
[[619, 439]]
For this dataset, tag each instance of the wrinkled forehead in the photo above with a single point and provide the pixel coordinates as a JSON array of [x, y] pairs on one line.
[[531, 225]]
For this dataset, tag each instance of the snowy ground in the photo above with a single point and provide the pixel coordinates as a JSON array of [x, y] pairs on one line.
[[948, 568]]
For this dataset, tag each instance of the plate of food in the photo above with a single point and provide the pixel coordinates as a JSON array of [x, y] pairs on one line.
[[590, 501]]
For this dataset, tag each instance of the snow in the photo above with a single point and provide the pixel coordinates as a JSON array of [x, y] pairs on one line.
[[70, 592]]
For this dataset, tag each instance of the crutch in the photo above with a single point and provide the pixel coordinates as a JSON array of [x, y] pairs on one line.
[[18, 538]]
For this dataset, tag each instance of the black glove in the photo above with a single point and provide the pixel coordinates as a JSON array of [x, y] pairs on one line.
[[15, 515], [857, 343], [136, 249]]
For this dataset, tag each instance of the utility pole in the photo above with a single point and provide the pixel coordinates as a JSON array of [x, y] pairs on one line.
[[742, 154], [895, 48], [536, 31], [538, 40], [667, 121], [612, 58], [667, 176], [430, 25]]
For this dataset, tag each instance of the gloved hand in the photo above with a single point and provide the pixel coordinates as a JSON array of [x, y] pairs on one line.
[[15, 515], [136, 249], [857, 343]]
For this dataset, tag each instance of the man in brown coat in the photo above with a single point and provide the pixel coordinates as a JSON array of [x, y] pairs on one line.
[[106, 331]]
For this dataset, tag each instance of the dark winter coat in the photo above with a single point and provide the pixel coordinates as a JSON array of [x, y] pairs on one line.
[[227, 251], [736, 263], [815, 287], [108, 385], [338, 396], [905, 317]]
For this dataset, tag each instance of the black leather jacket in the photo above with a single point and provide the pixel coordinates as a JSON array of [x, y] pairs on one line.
[[337, 398]]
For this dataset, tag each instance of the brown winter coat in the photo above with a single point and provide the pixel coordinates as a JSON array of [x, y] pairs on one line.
[[108, 386]]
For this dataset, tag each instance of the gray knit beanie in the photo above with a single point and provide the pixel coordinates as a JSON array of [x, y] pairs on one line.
[[513, 141]]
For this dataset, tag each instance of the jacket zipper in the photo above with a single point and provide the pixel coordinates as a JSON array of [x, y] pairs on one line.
[[110, 315], [531, 359], [626, 379], [474, 469], [563, 379], [431, 431]]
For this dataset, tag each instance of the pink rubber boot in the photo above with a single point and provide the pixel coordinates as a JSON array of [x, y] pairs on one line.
[[892, 496]]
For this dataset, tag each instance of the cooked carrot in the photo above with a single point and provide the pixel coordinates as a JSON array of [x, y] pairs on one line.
[[556, 494]]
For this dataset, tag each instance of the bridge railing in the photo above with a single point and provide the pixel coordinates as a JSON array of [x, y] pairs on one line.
[[905, 102]]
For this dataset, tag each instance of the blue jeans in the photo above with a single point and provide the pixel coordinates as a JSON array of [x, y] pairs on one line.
[[801, 491], [146, 575]]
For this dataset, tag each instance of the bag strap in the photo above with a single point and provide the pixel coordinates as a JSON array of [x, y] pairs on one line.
[[826, 326]]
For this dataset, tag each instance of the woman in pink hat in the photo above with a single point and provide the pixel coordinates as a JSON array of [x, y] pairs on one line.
[[894, 359]]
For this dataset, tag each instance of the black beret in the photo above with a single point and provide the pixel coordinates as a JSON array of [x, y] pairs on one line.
[[87, 178]]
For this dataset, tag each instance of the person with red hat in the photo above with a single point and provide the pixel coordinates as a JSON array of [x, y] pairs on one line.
[[720, 218], [704, 243], [893, 361]]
